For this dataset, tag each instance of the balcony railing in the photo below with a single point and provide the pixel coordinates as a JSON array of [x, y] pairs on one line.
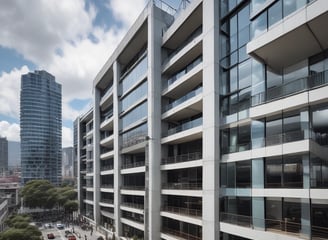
[[180, 234], [292, 87], [183, 185], [133, 205], [183, 211], [107, 167], [285, 225], [106, 93], [107, 200], [137, 188], [290, 136], [185, 126], [107, 185], [133, 165], [182, 158], [183, 99], [190, 38], [183, 72]]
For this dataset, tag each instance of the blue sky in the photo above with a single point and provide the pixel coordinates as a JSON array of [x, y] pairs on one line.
[[70, 39]]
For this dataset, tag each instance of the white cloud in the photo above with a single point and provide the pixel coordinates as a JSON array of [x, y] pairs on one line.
[[126, 11], [55, 36], [67, 137], [10, 130], [10, 90]]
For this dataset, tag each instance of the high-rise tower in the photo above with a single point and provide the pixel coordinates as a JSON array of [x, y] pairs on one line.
[[3, 154], [40, 121]]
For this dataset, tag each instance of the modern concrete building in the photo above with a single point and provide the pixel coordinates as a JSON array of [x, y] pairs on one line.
[[41, 124], [68, 163], [212, 123], [3, 155]]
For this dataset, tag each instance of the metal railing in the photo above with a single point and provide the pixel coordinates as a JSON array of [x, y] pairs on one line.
[[183, 211], [283, 225], [183, 158], [133, 165], [133, 205], [107, 167], [129, 187], [286, 137], [181, 234], [183, 99], [185, 126], [107, 185], [183, 185], [183, 72], [107, 200], [298, 85]]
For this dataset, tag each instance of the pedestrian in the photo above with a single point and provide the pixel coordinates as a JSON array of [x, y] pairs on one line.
[[91, 231], [85, 237]]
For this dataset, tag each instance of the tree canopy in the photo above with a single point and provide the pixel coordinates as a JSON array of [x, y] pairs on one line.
[[41, 193], [20, 229]]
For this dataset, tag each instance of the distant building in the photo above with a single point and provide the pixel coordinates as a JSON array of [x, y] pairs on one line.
[[3, 212], [67, 163], [3, 155], [41, 123], [14, 158], [9, 189]]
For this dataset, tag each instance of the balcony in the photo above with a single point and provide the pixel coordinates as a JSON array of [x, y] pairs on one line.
[[133, 205], [107, 200], [296, 37], [107, 185], [185, 126], [183, 72], [183, 211], [183, 186], [183, 158], [180, 234], [133, 165], [105, 96], [106, 167], [298, 85], [184, 107], [133, 187]]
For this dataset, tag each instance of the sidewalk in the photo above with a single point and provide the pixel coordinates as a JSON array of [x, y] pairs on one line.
[[85, 234]]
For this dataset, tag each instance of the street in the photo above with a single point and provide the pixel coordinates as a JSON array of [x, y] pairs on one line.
[[78, 232]]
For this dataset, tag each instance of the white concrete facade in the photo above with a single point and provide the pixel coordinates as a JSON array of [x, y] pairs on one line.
[[194, 139]]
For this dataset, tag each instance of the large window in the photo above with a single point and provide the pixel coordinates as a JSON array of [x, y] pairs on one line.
[[318, 172], [286, 172]]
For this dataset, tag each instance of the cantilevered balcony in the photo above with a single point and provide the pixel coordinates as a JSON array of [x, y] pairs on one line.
[[182, 158], [296, 37], [314, 80]]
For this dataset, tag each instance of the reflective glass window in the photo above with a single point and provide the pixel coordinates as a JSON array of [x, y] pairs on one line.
[[292, 5], [243, 174], [134, 96], [245, 74], [293, 172], [259, 25], [135, 115], [273, 172], [275, 13]]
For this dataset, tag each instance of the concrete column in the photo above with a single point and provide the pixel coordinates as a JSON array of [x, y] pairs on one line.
[[78, 167], [96, 157], [211, 114], [152, 231], [117, 156]]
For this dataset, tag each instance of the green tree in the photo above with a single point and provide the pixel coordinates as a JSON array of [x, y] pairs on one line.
[[39, 193], [20, 229]]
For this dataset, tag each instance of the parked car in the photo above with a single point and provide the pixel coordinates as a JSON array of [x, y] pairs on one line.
[[71, 237], [60, 226], [51, 236], [48, 225]]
